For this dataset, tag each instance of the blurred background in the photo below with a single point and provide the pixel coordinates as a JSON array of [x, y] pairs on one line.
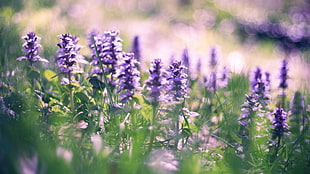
[[248, 33]]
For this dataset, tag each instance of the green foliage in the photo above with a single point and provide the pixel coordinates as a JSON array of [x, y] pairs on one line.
[[81, 127]]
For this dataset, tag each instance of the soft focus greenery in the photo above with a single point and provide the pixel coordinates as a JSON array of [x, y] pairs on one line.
[[44, 135]]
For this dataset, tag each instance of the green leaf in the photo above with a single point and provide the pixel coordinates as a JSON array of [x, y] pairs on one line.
[[33, 73], [146, 109], [50, 75]]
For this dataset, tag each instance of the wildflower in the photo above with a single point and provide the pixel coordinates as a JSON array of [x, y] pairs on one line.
[[283, 75], [212, 83], [154, 83], [267, 81], [176, 82], [136, 48], [279, 123], [68, 56], [108, 48], [224, 78], [198, 67], [260, 86], [250, 106], [31, 47], [91, 41], [214, 57], [128, 77], [185, 58], [256, 82]]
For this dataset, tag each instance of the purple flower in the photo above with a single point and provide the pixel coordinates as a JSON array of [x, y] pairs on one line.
[[224, 78], [108, 48], [249, 107], [68, 56], [176, 82], [91, 41], [267, 81], [279, 123], [214, 56], [185, 58], [283, 75], [260, 86], [154, 82], [212, 83], [135, 49], [256, 82], [31, 48], [128, 77], [198, 67]]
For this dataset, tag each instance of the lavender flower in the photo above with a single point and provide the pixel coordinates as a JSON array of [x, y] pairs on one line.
[[249, 107], [154, 82], [176, 82], [185, 58], [31, 47], [128, 77], [212, 83], [257, 82], [267, 81], [68, 56], [198, 67], [279, 123], [91, 40], [225, 76], [260, 86], [283, 75], [214, 56], [108, 48], [136, 48]]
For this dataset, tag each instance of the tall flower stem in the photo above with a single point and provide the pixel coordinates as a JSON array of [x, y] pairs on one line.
[[178, 110], [71, 94], [153, 124]]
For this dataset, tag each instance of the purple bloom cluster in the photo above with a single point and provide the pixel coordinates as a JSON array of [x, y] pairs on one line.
[[214, 57], [283, 75], [31, 47], [128, 77], [136, 48], [154, 82], [261, 86], [215, 79], [68, 56], [250, 106], [107, 49], [176, 82], [279, 123]]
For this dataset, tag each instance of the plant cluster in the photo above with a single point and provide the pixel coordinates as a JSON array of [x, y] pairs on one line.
[[102, 114]]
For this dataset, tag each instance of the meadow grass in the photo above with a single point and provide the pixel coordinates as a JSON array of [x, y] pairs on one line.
[[83, 122]]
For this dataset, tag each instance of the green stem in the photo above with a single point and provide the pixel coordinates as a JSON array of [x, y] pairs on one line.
[[177, 126], [71, 93], [153, 123]]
